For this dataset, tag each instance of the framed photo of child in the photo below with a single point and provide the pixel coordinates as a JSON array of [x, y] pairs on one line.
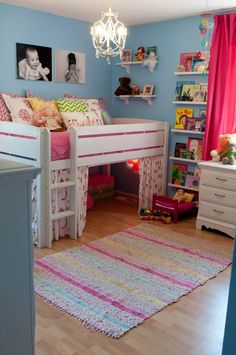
[[33, 62], [70, 67], [126, 55], [148, 89]]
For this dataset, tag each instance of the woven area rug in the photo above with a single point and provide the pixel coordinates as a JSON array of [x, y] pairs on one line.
[[115, 283]]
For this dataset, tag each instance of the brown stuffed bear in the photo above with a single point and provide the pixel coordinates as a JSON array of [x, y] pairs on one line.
[[124, 88]]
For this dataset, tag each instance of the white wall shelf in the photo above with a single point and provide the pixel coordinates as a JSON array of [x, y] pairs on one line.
[[147, 98], [189, 103], [186, 131], [186, 160], [127, 65], [189, 73], [182, 187]]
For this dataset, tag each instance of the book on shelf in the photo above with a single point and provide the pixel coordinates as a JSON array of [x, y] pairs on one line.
[[194, 124], [194, 61], [192, 181], [178, 147], [195, 146], [186, 154], [179, 87], [202, 115], [178, 173], [181, 117], [186, 59], [188, 92]]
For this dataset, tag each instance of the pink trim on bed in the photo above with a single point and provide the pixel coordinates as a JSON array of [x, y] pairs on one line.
[[118, 151], [17, 135], [116, 134]]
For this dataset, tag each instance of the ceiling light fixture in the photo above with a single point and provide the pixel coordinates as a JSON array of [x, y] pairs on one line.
[[108, 35]]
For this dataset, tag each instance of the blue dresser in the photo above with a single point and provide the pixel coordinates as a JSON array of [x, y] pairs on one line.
[[17, 309]]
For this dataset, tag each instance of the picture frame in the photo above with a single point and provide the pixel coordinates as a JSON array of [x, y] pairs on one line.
[[33, 62], [151, 49], [126, 55], [70, 67], [148, 89]]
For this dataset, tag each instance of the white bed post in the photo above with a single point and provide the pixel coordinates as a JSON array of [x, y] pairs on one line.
[[73, 189], [165, 155], [43, 192]]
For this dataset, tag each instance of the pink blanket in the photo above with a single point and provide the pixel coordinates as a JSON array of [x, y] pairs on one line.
[[60, 145]]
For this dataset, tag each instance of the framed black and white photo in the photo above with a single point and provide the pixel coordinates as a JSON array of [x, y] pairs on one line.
[[70, 67], [33, 62]]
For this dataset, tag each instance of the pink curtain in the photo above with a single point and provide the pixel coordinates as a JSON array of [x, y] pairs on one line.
[[221, 107]]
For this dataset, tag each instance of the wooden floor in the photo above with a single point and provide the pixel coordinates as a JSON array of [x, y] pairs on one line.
[[192, 326]]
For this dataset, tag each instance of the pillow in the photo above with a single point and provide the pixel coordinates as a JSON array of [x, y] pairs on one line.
[[82, 118], [4, 112], [40, 104], [65, 105], [188, 197], [106, 117], [93, 104], [19, 108]]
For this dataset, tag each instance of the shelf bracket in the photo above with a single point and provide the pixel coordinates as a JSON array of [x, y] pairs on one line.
[[126, 66]]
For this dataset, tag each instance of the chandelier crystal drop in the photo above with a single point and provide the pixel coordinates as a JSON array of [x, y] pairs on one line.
[[108, 35]]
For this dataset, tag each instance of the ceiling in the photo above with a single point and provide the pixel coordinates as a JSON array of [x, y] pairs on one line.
[[131, 12]]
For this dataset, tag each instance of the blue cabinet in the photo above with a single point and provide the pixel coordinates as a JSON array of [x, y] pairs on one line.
[[17, 309]]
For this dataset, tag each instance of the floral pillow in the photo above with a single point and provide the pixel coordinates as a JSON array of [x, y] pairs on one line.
[[72, 119], [4, 112], [19, 108]]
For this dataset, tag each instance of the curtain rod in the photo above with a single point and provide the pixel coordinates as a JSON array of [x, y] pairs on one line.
[[219, 12]]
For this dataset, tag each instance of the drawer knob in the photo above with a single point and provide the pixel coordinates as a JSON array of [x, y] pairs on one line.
[[221, 179], [219, 195], [218, 211]]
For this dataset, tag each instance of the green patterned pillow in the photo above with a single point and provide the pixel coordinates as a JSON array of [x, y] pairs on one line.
[[65, 105]]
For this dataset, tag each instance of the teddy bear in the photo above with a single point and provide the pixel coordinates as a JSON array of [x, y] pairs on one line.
[[124, 88], [49, 118], [140, 55], [218, 153], [230, 158]]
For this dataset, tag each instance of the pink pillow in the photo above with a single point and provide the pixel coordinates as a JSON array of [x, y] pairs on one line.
[[19, 108], [4, 111]]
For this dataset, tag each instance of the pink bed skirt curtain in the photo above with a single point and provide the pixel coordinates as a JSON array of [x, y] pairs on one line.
[[151, 180], [221, 107]]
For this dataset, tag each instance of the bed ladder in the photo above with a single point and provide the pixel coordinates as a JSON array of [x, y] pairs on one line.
[[71, 213]]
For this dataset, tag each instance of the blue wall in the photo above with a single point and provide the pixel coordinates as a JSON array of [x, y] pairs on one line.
[[34, 27]]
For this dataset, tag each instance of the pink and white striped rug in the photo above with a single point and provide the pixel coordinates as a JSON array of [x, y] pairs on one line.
[[115, 283]]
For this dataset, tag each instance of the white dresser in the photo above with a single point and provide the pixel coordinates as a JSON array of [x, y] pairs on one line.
[[217, 197]]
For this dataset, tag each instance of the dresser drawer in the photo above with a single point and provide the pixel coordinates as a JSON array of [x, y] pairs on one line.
[[218, 179], [218, 196], [217, 212]]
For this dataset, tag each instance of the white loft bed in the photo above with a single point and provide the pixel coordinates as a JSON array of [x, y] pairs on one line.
[[126, 139]]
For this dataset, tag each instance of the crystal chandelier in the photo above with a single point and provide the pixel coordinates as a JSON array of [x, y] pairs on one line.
[[108, 35]]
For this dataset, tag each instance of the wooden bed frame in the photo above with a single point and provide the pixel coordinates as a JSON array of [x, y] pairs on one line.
[[125, 139]]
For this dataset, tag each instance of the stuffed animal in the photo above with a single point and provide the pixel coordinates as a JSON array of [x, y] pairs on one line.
[[135, 89], [124, 88], [230, 158], [219, 153], [48, 118], [151, 61], [140, 55]]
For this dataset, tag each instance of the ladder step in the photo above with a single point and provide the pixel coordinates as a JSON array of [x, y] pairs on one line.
[[59, 185], [63, 214]]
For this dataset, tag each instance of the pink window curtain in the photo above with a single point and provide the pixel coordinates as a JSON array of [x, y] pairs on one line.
[[221, 107]]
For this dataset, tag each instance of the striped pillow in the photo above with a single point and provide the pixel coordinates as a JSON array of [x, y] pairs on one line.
[[65, 105]]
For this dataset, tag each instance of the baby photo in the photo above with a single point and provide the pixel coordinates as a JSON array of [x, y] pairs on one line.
[[33, 62], [70, 67]]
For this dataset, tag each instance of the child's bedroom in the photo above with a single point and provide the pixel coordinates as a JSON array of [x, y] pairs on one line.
[[118, 177]]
